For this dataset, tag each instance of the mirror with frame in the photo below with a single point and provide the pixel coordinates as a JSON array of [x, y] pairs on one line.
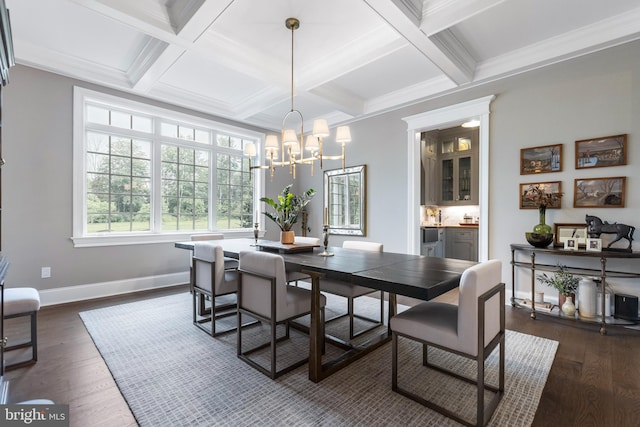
[[345, 200]]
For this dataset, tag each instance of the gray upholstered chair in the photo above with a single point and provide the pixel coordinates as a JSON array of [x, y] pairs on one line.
[[22, 302], [263, 293], [351, 292], [471, 329], [229, 263], [294, 276], [211, 279]]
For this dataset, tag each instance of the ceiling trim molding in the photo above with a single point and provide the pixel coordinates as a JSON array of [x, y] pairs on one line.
[[148, 58], [457, 53], [582, 41], [71, 66]]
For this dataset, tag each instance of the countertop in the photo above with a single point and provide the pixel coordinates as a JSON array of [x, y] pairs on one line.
[[450, 226]]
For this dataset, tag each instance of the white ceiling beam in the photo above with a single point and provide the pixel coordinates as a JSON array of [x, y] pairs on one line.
[[407, 27], [439, 15]]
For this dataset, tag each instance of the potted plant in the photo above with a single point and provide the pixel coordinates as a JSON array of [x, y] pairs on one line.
[[566, 284], [538, 195], [286, 210]]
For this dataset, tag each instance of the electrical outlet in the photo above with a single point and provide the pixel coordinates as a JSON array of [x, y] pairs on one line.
[[45, 273]]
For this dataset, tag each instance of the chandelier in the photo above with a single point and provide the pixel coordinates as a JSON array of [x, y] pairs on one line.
[[293, 144]]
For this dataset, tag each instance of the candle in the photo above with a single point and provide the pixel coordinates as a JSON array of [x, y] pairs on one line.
[[326, 216], [255, 218]]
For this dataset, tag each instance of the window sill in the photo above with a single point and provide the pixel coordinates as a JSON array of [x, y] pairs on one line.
[[145, 239]]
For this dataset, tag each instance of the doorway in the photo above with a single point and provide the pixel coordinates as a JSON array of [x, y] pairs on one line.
[[448, 117]]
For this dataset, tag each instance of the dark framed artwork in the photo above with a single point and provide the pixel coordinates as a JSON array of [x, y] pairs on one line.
[[599, 192], [527, 200], [547, 158], [564, 231], [601, 152]]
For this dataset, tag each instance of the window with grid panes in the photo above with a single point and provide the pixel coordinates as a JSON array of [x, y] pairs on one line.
[[147, 170]]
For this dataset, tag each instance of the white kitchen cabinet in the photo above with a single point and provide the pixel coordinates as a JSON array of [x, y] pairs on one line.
[[462, 243]]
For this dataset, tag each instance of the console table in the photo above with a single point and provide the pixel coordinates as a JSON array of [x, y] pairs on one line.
[[603, 272]]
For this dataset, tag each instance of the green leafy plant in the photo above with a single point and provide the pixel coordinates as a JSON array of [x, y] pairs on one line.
[[565, 282], [287, 207]]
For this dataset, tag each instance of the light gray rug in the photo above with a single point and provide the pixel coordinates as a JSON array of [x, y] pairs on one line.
[[173, 374]]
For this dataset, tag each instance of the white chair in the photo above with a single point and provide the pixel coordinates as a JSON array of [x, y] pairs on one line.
[[294, 276], [20, 302], [263, 293], [212, 279], [351, 292], [471, 329]]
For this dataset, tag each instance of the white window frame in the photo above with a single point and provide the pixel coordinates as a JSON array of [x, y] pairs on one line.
[[82, 239]]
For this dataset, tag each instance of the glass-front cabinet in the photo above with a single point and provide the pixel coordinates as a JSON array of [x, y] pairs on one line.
[[458, 166]]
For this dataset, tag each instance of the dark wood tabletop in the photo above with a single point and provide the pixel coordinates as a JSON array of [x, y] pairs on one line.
[[403, 274]]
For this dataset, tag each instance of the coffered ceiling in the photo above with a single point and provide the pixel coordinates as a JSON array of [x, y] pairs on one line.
[[353, 58]]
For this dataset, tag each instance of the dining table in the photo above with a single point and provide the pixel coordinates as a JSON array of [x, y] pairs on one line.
[[414, 276]]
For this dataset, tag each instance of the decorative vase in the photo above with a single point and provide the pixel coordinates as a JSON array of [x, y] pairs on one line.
[[287, 237], [568, 308], [542, 227], [563, 297], [587, 297]]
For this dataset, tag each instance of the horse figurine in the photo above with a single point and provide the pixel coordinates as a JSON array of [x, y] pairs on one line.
[[595, 227]]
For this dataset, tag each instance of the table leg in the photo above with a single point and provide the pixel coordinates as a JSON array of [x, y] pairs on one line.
[[533, 285], [315, 332], [393, 309], [603, 274]]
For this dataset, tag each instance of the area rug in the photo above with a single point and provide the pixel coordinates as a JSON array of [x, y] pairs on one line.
[[173, 374]]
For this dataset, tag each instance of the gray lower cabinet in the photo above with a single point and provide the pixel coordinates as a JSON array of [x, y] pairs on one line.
[[462, 243]]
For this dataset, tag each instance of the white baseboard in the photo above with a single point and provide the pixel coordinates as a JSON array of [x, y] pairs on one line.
[[105, 289]]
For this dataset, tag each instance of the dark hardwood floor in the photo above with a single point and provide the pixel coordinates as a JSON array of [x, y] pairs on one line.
[[594, 381]]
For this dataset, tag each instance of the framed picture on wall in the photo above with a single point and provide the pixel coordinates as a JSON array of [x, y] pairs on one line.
[[601, 152], [528, 192], [599, 192], [547, 158]]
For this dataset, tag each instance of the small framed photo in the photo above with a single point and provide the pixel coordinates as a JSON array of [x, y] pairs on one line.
[[601, 152], [599, 192], [571, 244], [528, 194], [594, 245], [563, 232], [547, 158]]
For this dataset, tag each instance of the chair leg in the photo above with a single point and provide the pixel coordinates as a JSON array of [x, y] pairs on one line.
[[33, 342], [350, 312], [273, 347], [425, 354], [394, 361], [480, 392]]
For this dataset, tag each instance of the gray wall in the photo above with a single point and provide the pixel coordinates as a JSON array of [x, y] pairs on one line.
[[586, 97]]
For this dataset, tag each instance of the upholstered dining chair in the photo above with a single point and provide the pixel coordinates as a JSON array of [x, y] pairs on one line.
[[294, 276], [471, 329], [212, 279], [263, 293], [229, 263], [351, 292]]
